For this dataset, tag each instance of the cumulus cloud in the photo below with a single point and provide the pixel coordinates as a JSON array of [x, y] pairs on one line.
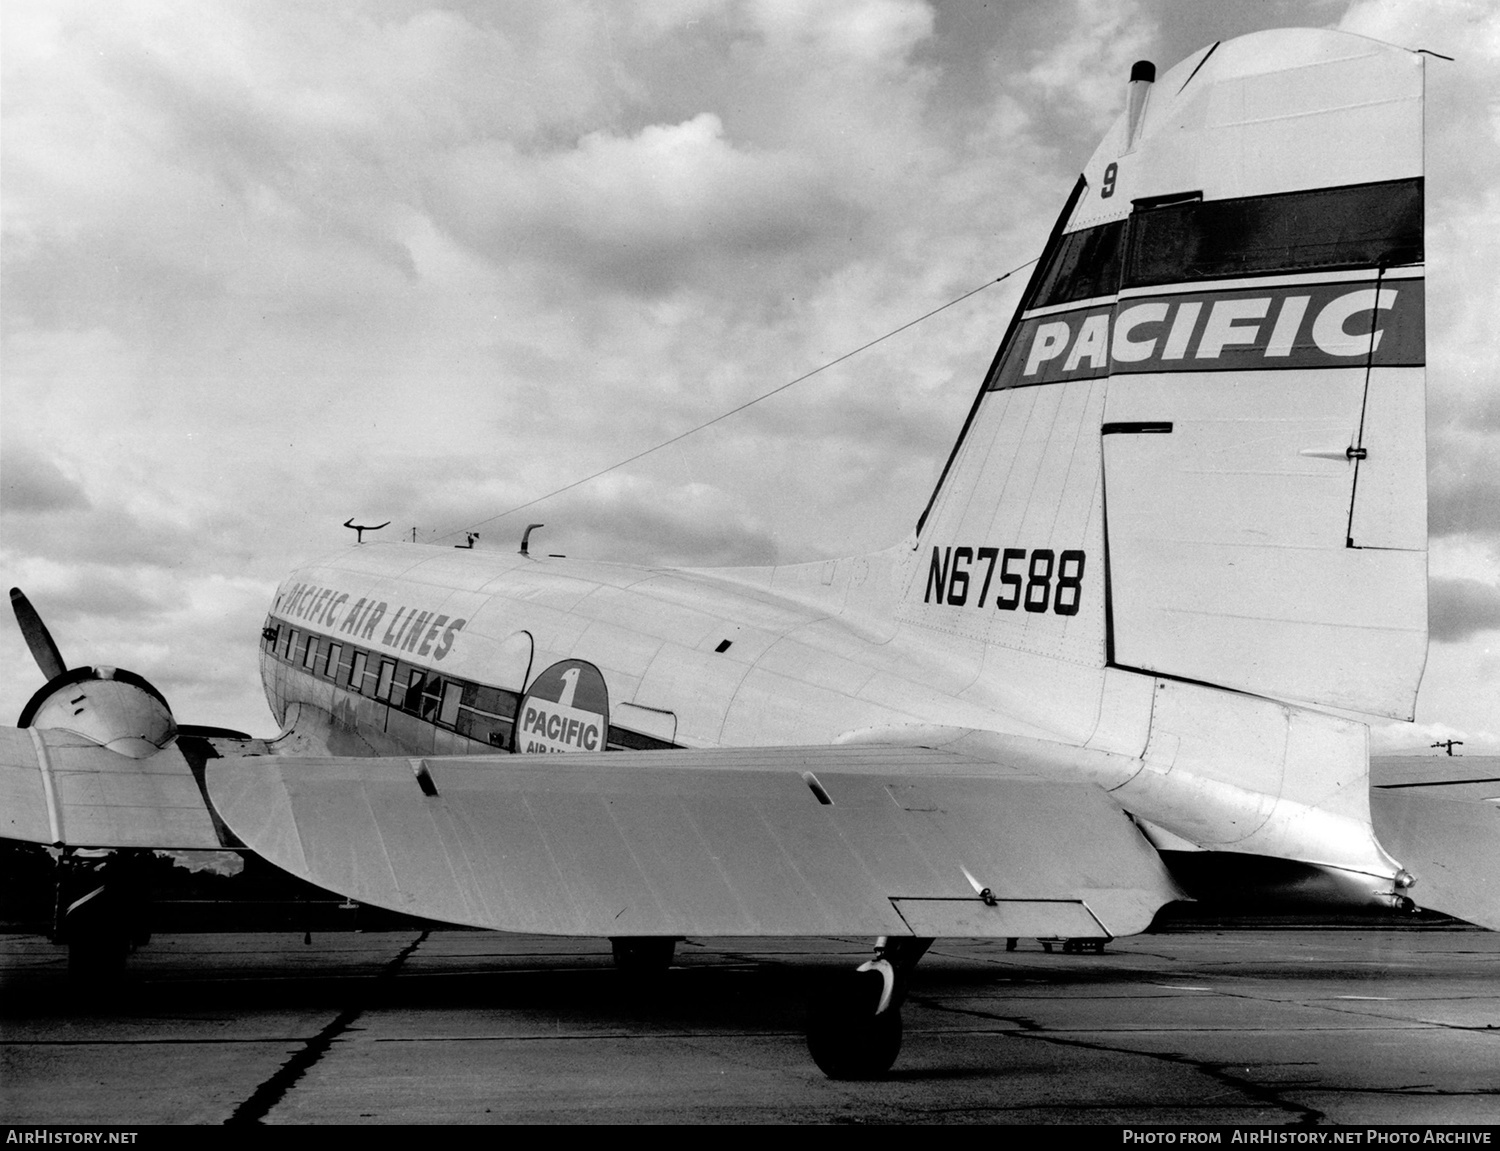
[[1427, 738], [1464, 486], [105, 535], [89, 591], [1458, 608], [644, 213], [32, 484], [637, 521], [267, 266], [878, 33], [1087, 63]]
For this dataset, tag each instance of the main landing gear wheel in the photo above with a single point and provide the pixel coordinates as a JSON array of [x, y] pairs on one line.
[[643, 955], [97, 916], [854, 1025], [847, 1036]]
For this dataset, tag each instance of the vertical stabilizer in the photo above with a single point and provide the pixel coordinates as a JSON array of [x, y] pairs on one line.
[[1200, 450]]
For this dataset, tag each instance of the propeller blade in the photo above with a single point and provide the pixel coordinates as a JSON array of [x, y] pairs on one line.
[[38, 638]]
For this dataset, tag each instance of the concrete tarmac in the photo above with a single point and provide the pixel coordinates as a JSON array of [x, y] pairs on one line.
[[1267, 1027]]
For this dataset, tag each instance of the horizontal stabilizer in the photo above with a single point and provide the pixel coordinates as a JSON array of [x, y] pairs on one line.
[[778, 841], [1446, 832]]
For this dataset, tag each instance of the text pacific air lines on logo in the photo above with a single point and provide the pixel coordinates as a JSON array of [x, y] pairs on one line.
[[1334, 325]]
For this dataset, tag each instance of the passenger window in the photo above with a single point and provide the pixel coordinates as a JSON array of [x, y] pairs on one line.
[[331, 664], [387, 680], [432, 691], [357, 672], [310, 656], [492, 700], [622, 740], [413, 699], [490, 729], [453, 694]]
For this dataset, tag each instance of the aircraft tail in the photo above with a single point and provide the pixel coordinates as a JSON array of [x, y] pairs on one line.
[[1200, 450]]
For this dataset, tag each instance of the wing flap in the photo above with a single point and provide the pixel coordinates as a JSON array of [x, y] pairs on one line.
[[703, 842], [57, 787], [24, 796], [1014, 918]]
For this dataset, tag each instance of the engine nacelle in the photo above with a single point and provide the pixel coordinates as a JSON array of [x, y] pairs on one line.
[[112, 707]]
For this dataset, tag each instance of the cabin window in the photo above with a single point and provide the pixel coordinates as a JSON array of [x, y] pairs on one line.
[[622, 740], [488, 729], [432, 693], [493, 700], [412, 701], [387, 679], [291, 644], [310, 654], [357, 672], [331, 663], [453, 694], [1325, 229], [486, 714]]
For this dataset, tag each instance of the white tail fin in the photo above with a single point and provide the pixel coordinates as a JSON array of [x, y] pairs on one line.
[[1200, 449]]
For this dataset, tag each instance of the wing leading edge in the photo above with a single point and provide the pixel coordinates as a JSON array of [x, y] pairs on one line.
[[776, 841]]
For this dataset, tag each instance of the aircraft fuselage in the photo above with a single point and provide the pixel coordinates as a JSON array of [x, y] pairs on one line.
[[432, 648], [417, 651]]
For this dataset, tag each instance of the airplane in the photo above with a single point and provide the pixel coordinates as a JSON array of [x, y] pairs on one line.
[[1177, 551]]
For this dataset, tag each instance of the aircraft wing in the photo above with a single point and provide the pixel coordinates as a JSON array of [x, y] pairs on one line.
[[771, 841], [60, 788]]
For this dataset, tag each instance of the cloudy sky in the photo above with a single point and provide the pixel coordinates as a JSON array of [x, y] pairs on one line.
[[267, 266]]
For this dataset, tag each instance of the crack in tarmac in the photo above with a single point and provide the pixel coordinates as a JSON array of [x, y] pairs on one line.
[[254, 1109], [1307, 1116], [1253, 1093], [174, 1042], [1037, 983]]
